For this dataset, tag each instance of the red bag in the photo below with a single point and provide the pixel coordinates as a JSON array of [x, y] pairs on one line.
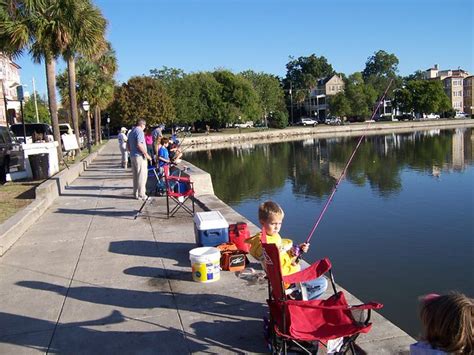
[[231, 258], [238, 233]]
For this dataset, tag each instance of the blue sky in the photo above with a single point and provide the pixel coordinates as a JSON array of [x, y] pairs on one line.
[[199, 35]]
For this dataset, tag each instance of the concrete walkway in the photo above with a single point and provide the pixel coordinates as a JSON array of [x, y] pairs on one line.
[[89, 278]]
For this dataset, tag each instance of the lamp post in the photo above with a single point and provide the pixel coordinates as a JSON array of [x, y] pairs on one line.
[[108, 127], [20, 97], [5, 102], [86, 107]]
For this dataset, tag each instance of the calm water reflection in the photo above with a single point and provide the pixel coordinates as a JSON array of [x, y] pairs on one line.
[[401, 223]]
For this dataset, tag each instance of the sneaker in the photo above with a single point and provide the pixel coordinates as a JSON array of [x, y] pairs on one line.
[[143, 198]]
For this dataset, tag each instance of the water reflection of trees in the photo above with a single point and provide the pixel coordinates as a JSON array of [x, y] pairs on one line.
[[313, 166]]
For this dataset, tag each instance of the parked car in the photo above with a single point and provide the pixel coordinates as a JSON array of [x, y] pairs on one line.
[[333, 121], [246, 124], [431, 116], [11, 154], [461, 115], [34, 132], [406, 117], [308, 122]]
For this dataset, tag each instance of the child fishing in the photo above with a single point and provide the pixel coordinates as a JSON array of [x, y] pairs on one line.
[[271, 215]]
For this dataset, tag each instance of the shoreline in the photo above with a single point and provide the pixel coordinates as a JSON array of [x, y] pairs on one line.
[[221, 140]]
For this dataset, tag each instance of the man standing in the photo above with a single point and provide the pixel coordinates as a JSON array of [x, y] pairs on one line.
[[139, 157]]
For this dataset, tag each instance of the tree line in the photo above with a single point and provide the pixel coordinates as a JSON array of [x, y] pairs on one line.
[[221, 98]]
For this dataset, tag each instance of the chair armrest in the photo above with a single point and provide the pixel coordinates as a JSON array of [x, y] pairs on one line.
[[178, 178], [312, 272]]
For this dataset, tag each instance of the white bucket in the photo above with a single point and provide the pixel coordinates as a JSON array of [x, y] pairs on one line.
[[205, 263]]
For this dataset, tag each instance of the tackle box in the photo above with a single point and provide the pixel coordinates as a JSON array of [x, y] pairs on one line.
[[210, 228]]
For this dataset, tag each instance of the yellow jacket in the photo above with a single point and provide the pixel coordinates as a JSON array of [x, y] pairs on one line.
[[286, 258]]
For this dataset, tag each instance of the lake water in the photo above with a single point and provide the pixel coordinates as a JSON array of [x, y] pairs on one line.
[[400, 224]]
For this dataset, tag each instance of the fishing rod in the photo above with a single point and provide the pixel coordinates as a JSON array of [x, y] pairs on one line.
[[343, 173]]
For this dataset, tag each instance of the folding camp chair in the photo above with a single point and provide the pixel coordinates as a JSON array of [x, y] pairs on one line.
[[303, 325], [179, 189]]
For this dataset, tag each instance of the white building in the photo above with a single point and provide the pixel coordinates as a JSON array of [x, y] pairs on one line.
[[9, 80]]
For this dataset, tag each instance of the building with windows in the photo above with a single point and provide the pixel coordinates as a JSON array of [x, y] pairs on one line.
[[453, 82], [9, 80], [468, 95], [317, 103]]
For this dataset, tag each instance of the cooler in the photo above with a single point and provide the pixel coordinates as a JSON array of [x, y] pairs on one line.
[[210, 228]]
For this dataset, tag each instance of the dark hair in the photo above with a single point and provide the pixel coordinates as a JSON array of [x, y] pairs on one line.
[[164, 140], [447, 322]]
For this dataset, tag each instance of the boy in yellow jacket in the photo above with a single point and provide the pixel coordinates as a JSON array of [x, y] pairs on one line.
[[270, 215]]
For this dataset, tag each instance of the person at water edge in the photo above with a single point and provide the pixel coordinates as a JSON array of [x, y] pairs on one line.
[[122, 141], [270, 216], [164, 157], [447, 322], [149, 145], [157, 134], [175, 153], [139, 157]]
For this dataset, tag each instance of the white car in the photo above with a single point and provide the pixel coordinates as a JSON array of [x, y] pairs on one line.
[[247, 124], [461, 115], [308, 122], [431, 116]]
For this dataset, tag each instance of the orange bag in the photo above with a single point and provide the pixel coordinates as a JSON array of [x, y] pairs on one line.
[[231, 258]]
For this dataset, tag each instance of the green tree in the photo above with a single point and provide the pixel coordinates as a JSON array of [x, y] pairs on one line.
[[238, 98], [380, 68], [29, 110], [339, 104], [142, 97], [303, 73], [360, 96], [87, 30], [270, 94], [423, 96], [44, 29], [167, 75]]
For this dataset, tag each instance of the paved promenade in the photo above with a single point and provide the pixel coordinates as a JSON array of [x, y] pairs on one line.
[[89, 278]]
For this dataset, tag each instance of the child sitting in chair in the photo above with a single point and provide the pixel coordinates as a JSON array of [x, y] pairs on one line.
[[270, 215], [447, 325]]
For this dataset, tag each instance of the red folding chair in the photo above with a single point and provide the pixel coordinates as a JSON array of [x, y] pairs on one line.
[[303, 325], [179, 189]]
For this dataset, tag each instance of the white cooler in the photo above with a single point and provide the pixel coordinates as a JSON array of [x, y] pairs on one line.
[[210, 228]]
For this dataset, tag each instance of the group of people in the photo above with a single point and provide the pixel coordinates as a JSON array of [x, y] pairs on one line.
[[146, 147], [447, 319]]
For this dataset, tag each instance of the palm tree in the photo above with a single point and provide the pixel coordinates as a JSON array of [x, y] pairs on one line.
[[42, 28], [88, 39]]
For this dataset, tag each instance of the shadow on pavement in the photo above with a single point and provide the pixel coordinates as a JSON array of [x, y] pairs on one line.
[[77, 338], [98, 212], [168, 250]]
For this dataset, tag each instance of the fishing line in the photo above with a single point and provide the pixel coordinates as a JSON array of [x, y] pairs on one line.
[[343, 173]]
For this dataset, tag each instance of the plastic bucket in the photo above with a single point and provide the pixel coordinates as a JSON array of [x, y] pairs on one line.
[[205, 263]]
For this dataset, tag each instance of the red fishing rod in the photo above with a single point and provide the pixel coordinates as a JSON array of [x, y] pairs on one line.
[[343, 173]]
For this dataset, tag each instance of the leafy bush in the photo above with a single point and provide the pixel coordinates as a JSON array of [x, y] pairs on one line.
[[279, 119]]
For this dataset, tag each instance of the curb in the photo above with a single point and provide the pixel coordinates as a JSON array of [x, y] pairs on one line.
[[13, 228]]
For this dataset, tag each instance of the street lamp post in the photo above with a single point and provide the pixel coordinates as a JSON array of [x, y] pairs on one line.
[[108, 127], [19, 94], [86, 106]]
